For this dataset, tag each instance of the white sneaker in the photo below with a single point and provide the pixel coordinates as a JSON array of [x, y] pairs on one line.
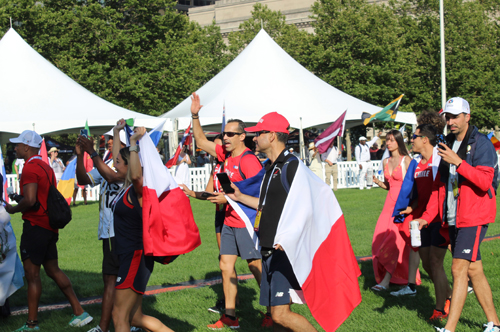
[[404, 291], [95, 329], [441, 329], [470, 290], [490, 327]]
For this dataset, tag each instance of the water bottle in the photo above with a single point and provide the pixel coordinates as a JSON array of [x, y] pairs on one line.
[[369, 177], [415, 234]]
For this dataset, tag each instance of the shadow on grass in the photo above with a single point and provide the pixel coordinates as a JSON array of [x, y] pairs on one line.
[[422, 303]]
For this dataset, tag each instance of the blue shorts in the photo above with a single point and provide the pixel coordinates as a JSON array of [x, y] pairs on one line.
[[465, 242], [135, 270], [277, 280], [237, 241], [219, 220], [431, 236]]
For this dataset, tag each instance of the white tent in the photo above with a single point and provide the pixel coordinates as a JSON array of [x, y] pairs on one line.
[[263, 79], [35, 94]]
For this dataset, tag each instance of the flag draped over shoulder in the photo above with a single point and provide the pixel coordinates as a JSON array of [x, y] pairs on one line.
[[168, 224], [323, 141], [186, 140], [251, 187], [388, 113], [313, 233], [66, 185], [156, 133]]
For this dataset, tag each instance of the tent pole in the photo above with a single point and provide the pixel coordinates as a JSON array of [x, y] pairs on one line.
[[301, 141], [443, 63]]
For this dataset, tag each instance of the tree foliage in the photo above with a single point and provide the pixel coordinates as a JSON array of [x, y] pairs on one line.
[[141, 55]]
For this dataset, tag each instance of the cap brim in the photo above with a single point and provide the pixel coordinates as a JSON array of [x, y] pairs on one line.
[[15, 140], [252, 129]]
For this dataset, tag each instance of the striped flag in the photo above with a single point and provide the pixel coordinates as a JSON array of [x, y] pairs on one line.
[[324, 140], [494, 140], [388, 113], [43, 152], [313, 234], [156, 133], [186, 140], [66, 185], [168, 224], [223, 118]]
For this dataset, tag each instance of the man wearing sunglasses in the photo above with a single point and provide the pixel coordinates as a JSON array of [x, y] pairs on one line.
[[468, 167], [240, 163]]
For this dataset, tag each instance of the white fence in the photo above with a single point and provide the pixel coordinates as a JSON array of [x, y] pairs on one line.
[[348, 172], [347, 178]]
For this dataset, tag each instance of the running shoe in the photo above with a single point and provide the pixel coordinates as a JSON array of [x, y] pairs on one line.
[[404, 291], [491, 327], [267, 321], [219, 308], [225, 321], [470, 290], [95, 329], [82, 320], [441, 329], [25, 327], [438, 315], [378, 288], [447, 305], [135, 329]]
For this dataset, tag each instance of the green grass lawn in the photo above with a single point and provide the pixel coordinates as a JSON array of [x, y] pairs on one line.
[[80, 257]]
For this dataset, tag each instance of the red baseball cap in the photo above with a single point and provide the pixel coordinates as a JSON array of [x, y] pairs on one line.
[[272, 122]]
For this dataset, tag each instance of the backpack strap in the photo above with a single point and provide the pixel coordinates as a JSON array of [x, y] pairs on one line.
[[247, 152], [284, 168]]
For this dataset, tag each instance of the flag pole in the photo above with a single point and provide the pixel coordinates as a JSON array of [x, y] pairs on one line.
[[443, 64], [301, 141]]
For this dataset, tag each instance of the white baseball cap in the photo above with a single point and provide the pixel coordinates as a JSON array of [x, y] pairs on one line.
[[457, 105], [362, 138], [28, 137], [123, 139]]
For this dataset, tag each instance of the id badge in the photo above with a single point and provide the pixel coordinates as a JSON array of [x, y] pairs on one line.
[[455, 188], [256, 225]]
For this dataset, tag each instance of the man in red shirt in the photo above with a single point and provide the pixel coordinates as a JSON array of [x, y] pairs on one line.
[[38, 241], [239, 163]]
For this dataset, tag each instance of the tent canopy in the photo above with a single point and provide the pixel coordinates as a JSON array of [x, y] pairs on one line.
[[263, 79], [34, 94]]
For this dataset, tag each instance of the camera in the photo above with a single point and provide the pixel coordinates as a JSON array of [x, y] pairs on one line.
[[13, 196]]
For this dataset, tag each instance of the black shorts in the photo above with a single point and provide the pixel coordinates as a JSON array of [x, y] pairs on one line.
[[465, 242], [110, 262], [219, 220], [277, 280], [237, 241], [38, 244], [135, 270], [431, 236]]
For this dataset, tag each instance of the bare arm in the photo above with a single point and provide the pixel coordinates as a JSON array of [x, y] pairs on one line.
[[81, 172], [135, 163], [116, 138], [29, 199], [106, 172], [201, 140], [384, 185]]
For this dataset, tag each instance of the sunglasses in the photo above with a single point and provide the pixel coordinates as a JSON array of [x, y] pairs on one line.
[[258, 133], [415, 136], [230, 134]]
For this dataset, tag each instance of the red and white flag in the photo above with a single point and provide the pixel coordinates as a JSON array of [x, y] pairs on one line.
[[337, 128], [168, 224], [43, 152], [186, 140], [313, 235]]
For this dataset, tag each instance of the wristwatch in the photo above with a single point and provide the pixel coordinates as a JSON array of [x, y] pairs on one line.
[[134, 148], [94, 154]]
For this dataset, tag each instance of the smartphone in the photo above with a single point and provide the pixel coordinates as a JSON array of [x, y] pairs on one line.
[[225, 183], [84, 133], [206, 194]]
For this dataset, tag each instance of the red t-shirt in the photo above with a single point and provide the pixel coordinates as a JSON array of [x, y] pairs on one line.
[[424, 181], [250, 166], [33, 173]]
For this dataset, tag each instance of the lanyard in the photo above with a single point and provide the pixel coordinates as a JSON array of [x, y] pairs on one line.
[[268, 183], [34, 157]]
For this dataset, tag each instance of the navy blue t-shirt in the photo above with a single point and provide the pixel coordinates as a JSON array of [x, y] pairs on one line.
[[128, 223]]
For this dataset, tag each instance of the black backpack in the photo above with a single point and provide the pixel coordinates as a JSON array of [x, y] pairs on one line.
[[58, 209]]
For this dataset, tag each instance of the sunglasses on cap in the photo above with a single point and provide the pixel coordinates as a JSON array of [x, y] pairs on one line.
[[230, 133]]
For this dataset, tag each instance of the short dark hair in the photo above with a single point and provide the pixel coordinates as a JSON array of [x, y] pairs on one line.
[[282, 137], [241, 125], [432, 117], [430, 132]]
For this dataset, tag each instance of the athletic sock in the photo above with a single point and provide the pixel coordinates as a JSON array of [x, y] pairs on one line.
[[412, 286], [231, 317]]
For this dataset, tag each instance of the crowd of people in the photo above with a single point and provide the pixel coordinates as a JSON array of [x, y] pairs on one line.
[[447, 190]]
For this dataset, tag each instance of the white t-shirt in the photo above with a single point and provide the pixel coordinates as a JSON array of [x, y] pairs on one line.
[[331, 154], [58, 167], [452, 182], [20, 165], [107, 194]]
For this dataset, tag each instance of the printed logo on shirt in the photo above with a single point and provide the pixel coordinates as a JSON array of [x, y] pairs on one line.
[[279, 294], [422, 174], [466, 251], [118, 279]]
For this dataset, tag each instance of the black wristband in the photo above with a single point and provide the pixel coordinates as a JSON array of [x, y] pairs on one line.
[[195, 116], [94, 154]]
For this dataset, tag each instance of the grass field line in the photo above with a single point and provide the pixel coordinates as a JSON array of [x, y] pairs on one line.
[[154, 290]]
